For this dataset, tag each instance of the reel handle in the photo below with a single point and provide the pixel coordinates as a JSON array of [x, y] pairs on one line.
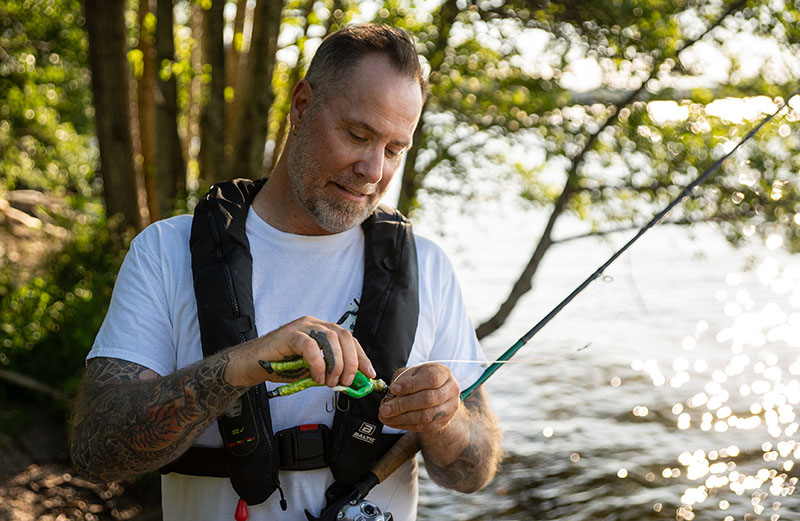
[[404, 449]]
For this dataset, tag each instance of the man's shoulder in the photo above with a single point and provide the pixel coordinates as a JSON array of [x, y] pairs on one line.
[[165, 236], [430, 255], [427, 246], [171, 226]]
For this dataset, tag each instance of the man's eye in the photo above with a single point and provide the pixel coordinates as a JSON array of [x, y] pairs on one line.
[[394, 153], [357, 138]]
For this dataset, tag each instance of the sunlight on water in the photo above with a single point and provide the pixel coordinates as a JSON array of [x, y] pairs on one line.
[[669, 391], [756, 389]]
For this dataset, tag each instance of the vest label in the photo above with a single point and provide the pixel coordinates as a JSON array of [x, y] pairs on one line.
[[364, 433]]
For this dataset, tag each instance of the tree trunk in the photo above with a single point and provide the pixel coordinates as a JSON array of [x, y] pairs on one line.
[[171, 169], [250, 130], [212, 115], [147, 111], [234, 52], [194, 94], [295, 75], [233, 68], [235, 71], [105, 25], [524, 282], [412, 180]]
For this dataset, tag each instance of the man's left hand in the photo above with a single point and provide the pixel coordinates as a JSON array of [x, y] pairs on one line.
[[421, 399]]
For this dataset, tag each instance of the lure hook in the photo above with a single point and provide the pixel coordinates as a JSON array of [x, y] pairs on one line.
[[338, 407]]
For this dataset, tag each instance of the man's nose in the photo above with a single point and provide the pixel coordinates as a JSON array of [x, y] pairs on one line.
[[370, 164]]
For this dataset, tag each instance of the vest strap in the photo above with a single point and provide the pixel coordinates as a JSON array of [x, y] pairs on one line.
[[212, 461], [385, 326]]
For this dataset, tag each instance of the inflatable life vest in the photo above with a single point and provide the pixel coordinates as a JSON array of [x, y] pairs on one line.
[[385, 327]]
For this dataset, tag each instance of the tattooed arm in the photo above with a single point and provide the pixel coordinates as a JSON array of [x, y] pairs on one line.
[[129, 420], [465, 454], [460, 441]]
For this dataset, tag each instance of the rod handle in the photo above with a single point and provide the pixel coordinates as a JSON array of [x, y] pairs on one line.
[[405, 448]]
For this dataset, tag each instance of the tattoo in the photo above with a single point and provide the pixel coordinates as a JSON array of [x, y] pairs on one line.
[[327, 350], [477, 463], [124, 425], [438, 415]]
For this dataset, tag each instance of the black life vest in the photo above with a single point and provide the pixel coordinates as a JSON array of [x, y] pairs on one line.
[[385, 327]]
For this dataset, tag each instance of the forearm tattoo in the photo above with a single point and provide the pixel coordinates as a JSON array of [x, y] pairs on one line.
[[477, 464], [123, 425]]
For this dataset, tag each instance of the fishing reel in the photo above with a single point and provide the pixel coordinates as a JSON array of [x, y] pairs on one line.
[[356, 510], [363, 511]]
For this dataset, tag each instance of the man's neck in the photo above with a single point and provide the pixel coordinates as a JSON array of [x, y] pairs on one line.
[[278, 206]]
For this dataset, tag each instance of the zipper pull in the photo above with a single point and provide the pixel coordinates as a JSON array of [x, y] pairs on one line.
[[241, 511], [283, 503]]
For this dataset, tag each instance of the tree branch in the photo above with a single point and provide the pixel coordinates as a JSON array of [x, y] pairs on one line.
[[524, 281], [26, 382], [677, 222]]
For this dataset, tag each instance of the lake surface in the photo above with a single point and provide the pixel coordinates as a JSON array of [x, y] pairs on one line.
[[668, 391]]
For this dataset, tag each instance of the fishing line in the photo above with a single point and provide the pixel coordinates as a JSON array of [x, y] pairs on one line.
[[532, 359], [598, 273], [632, 300], [554, 356]]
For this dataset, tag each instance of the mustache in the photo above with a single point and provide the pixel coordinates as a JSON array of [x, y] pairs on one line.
[[356, 187]]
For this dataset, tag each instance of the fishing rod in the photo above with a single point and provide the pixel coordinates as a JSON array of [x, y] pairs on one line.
[[511, 351], [354, 504]]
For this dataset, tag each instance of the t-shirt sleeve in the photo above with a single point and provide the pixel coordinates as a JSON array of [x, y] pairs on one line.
[[455, 344], [137, 327]]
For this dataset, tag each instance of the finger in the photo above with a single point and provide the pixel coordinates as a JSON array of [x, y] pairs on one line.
[[364, 362], [415, 379], [418, 420], [328, 341], [350, 358], [427, 400], [305, 346], [320, 336]]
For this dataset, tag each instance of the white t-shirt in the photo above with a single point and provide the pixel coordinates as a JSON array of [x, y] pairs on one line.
[[152, 321]]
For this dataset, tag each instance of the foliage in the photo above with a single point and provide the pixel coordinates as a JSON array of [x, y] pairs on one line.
[[512, 106], [490, 89], [45, 127], [48, 317], [559, 101]]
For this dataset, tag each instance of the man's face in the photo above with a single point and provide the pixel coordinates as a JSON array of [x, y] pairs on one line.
[[349, 145]]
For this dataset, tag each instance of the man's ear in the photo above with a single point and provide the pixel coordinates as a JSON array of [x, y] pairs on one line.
[[302, 97]]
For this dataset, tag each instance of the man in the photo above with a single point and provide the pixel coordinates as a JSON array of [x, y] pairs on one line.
[[150, 393]]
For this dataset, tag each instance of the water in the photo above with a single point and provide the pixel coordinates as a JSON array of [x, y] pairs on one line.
[[681, 407]]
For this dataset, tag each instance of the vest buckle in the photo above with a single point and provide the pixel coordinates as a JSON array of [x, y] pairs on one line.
[[303, 447]]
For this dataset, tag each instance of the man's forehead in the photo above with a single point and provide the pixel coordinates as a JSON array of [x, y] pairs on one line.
[[384, 106], [402, 137]]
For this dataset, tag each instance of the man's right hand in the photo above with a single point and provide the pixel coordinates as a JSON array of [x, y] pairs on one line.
[[128, 420], [333, 354]]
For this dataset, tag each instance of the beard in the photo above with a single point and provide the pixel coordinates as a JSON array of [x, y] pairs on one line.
[[309, 185]]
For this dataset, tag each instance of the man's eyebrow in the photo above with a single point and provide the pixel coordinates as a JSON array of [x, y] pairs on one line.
[[372, 130]]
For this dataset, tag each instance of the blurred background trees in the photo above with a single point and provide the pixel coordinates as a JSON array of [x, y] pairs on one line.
[[115, 114]]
